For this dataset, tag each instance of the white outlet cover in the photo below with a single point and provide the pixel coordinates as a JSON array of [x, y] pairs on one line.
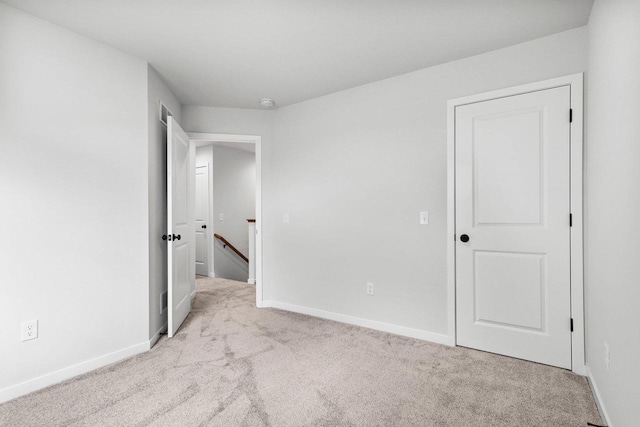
[[285, 218], [29, 330], [369, 288], [221, 216]]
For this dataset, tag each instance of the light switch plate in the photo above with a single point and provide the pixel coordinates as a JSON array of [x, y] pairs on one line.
[[424, 218], [285, 218]]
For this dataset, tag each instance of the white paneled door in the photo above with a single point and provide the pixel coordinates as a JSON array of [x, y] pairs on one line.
[[513, 226], [179, 295], [201, 220]]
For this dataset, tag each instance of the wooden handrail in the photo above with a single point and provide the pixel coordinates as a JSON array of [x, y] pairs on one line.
[[233, 248]]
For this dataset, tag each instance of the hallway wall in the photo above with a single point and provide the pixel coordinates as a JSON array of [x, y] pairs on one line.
[[234, 189], [233, 173]]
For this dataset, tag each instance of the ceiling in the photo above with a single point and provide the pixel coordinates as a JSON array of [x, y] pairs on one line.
[[231, 53]]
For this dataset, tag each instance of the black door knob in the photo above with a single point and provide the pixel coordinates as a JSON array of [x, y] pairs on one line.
[[204, 226], [164, 237], [464, 238], [176, 237]]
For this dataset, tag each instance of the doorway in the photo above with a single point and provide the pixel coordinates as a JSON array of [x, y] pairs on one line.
[[232, 254], [515, 209]]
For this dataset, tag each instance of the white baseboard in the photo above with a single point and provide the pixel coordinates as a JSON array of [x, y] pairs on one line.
[[154, 339], [193, 294], [598, 399], [251, 281], [358, 321], [64, 374]]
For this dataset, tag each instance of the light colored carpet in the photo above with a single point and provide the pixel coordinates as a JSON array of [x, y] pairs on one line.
[[234, 365]]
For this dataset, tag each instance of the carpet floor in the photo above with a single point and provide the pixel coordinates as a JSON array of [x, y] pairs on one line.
[[232, 364]]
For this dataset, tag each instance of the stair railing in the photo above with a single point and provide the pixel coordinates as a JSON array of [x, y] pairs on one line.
[[226, 243]]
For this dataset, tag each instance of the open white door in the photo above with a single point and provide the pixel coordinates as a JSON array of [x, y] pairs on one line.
[[179, 238]]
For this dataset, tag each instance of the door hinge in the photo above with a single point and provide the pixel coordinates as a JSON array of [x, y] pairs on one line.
[[572, 324], [570, 220], [570, 115]]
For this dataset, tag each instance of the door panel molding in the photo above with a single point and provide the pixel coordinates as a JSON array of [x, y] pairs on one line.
[[575, 83]]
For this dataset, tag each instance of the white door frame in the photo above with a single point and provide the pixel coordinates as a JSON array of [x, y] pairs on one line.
[[245, 139], [575, 82]]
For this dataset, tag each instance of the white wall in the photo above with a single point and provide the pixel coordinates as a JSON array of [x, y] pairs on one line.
[[158, 92], [234, 186], [613, 207], [355, 168], [238, 121], [74, 191]]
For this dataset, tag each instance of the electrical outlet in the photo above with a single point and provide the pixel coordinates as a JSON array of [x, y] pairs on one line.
[[285, 218], [607, 358], [221, 216], [29, 330], [369, 288]]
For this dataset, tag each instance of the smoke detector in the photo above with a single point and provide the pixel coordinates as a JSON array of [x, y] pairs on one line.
[[267, 102]]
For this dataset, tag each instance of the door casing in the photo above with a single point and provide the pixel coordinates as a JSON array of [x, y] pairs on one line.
[[199, 137], [575, 82]]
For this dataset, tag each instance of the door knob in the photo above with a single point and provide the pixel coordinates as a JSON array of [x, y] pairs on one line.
[[464, 238], [164, 237], [204, 226], [176, 237]]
